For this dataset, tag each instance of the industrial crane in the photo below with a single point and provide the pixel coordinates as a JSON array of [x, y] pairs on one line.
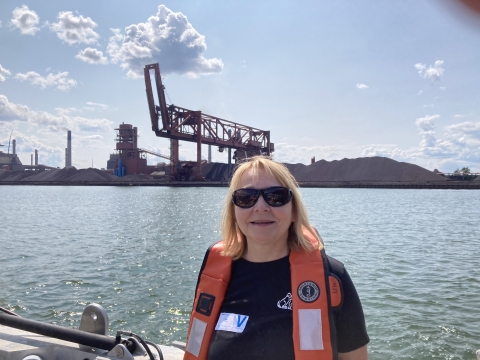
[[188, 125]]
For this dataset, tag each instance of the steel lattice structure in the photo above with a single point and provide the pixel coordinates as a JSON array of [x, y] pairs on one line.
[[178, 123]]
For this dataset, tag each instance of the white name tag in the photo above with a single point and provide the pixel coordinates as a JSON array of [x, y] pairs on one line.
[[232, 322]]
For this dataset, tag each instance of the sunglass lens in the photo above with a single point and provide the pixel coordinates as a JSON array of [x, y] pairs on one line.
[[245, 198], [277, 196]]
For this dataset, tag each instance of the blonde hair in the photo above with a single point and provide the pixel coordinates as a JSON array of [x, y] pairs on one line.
[[234, 241]]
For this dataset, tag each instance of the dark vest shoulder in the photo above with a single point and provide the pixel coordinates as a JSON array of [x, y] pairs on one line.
[[337, 267]]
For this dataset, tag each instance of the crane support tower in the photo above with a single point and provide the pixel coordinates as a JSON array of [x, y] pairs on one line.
[[188, 125]]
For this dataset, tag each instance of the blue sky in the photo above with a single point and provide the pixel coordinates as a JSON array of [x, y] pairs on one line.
[[330, 79]]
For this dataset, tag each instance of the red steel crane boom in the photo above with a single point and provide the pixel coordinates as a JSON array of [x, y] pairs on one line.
[[188, 125]]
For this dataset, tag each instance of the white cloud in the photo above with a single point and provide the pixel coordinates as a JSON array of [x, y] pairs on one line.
[[427, 105], [293, 154], [28, 143], [92, 56], [386, 150], [433, 73], [427, 126], [460, 144], [0, 23], [25, 20], [362, 86], [3, 73], [458, 116], [167, 38], [442, 88], [10, 112], [64, 111], [59, 80], [75, 29], [420, 92], [93, 106], [466, 129], [427, 123], [86, 124], [94, 137]]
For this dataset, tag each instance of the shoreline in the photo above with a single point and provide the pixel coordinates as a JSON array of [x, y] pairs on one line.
[[460, 185]]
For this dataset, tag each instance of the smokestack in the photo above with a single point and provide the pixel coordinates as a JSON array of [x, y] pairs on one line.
[[31, 159], [36, 157], [14, 143], [66, 157], [69, 148]]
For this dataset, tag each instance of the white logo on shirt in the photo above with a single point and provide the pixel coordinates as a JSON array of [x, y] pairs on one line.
[[286, 302]]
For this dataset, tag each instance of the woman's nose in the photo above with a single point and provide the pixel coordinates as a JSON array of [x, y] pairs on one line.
[[261, 205]]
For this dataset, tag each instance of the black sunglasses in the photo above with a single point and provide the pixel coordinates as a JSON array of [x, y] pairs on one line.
[[274, 196]]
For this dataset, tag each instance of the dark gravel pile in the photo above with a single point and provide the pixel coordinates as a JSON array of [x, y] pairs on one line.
[[16, 175], [43, 176], [4, 174], [52, 175], [216, 171], [360, 169], [68, 175], [132, 178], [89, 175], [365, 169]]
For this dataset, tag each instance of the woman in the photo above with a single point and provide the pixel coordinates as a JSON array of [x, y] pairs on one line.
[[267, 290]]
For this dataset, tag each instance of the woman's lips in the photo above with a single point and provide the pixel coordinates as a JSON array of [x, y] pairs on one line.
[[262, 222]]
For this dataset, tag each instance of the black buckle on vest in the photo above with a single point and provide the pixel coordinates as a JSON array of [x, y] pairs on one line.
[[205, 304]]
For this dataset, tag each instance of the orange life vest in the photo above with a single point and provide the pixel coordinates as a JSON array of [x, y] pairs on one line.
[[315, 292]]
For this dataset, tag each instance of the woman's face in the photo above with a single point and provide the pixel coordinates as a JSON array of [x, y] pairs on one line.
[[263, 226]]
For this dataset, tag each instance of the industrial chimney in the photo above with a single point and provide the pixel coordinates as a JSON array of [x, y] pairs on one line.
[[69, 148], [36, 157], [14, 143]]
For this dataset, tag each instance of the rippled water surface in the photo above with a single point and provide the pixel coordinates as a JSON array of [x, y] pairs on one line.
[[413, 256]]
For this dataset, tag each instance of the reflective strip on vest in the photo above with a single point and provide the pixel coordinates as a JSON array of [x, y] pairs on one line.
[[311, 325]]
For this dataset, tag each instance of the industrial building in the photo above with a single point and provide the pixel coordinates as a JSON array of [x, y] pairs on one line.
[[112, 162], [10, 161], [131, 159]]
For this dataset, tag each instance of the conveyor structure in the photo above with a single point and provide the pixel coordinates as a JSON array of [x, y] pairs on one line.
[[177, 123]]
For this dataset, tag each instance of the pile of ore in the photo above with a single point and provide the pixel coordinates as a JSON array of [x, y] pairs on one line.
[[217, 171], [360, 169], [70, 174], [364, 169], [132, 178]]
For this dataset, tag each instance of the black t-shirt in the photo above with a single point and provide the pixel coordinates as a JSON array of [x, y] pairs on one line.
[[262, 291]]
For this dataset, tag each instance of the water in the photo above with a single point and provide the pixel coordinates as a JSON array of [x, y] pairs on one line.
[[413, 256]]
